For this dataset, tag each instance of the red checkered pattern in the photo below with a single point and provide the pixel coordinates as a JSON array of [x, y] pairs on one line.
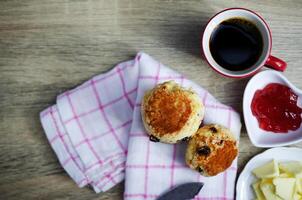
[[97, 133]]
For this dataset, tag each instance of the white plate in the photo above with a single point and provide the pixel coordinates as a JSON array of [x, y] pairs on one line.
[[259, 137], [244, 190]]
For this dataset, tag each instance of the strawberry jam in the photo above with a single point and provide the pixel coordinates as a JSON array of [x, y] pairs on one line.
[[275, 108]]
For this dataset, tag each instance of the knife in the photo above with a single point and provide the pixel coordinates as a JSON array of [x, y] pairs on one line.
[[182, 192]]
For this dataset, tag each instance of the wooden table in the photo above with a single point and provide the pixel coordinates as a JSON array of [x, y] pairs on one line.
[[47, 47]]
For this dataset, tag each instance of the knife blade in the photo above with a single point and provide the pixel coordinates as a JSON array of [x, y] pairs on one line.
[[182, 192]]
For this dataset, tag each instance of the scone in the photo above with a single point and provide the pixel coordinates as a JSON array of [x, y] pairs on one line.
[[211, 150], [171, 113]]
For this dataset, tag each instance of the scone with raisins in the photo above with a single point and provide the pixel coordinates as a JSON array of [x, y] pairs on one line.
[[171, 113], [211, 150]]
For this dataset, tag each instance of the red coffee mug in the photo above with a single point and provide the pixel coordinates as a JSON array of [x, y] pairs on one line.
[[265, 59]]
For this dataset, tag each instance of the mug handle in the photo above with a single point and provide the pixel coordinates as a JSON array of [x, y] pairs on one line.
[[275, 63]]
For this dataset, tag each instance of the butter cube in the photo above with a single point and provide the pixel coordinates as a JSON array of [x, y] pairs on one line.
[[268, 170], [258, 192], [285, 187], [293, 167]]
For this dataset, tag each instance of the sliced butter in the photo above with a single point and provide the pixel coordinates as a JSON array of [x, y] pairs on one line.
[[299, 185], [268, 190], [285, 187], [285, 175], [297, 197], [293, 167], [268, 170], [257, 190]]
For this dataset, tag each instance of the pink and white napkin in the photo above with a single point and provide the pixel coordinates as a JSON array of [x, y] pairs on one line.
[[97, 133]]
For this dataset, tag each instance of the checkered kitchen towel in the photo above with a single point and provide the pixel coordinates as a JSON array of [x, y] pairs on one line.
[[98, 135]]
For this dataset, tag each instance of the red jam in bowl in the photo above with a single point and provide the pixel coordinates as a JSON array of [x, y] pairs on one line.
[[275, 108]]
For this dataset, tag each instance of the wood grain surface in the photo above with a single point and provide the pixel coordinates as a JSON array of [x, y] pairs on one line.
[[47, 47]]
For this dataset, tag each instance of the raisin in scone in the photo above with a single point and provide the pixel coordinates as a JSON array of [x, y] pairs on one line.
[[171, 113], [211, 150]]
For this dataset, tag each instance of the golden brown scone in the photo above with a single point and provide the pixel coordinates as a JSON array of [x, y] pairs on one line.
[[171, 113], [211, 150]]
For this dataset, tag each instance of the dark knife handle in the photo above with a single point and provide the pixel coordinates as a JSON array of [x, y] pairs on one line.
[[182, 192]]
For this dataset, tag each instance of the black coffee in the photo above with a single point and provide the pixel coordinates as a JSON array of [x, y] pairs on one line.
[[236, 44]]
